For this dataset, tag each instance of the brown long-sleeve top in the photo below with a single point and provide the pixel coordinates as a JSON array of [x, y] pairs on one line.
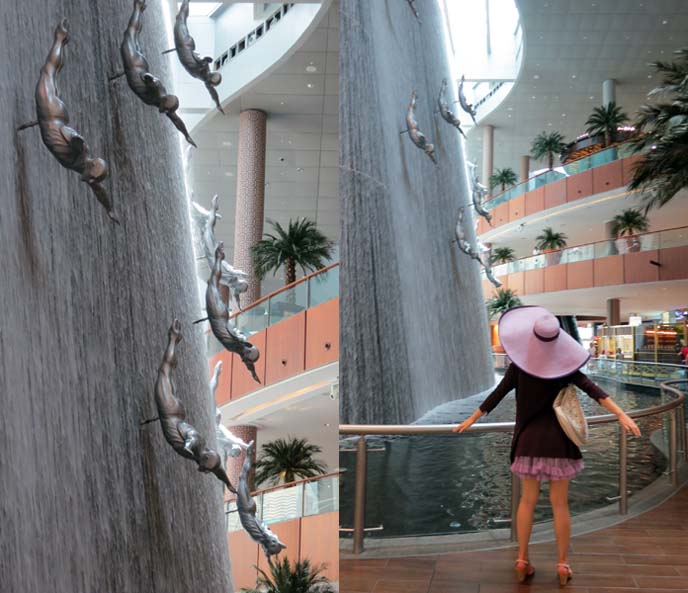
[[537, 432]]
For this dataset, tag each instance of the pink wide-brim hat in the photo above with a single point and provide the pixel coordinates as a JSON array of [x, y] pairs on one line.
[[535, 343]]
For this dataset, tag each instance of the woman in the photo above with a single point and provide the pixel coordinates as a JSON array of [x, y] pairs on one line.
[[544, 361]]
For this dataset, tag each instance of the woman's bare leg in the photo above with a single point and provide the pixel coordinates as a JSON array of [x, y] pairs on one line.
[[530, 491], [559, 497]]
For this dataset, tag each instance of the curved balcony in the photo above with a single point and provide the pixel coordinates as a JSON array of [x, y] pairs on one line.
[[598, 173], [304, 514], [295, 328], [648, 257]]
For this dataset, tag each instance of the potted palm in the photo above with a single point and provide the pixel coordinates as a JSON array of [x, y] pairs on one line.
[[502, 255], [503, 300], [605, 120], [547, 145], [662, 135], [302, 578], [550, 243], [503, 177], [287, 460], [628, 224]]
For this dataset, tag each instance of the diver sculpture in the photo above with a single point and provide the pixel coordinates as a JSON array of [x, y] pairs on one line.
[[65, 143], [218, 316], [183, 437], [465, 247], [478, 193], [236, 280], [417, 137], [445, 112], [147, 87], [228, 444], [412, 5], [468, 108], [194, 64], [246, 507]]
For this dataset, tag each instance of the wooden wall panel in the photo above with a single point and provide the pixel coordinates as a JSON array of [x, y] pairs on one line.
[[243, 556], [608, 271], [289, 533], [606, 177], [320, 542], [286, 348], [322, 334], [517, 282], [488, 288], [483, 225], [627, 165], [242, 382], [637, 267], [534, 281], [555, 193], [674, 263], [517, 208], [579, 186], [555, 278], [579, 275], [500, 215], [224, 385], [535, 201]]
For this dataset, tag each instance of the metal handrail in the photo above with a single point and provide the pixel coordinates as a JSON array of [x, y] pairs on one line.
[[677, 429]]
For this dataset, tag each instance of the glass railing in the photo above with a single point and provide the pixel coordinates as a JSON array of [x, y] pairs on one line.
[[597, 159], [677, 237], [305, 498], [308, 292]]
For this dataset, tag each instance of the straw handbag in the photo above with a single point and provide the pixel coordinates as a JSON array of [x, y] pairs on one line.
[[570, 414]]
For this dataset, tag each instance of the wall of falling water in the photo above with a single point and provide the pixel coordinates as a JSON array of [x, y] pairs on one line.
[[413, 323], [89, 501]]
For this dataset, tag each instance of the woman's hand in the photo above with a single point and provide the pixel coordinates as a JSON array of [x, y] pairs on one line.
[[627, 422], [464, 425]]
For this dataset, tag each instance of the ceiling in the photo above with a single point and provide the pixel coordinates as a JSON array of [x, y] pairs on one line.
[[302, 141], [571, 47]]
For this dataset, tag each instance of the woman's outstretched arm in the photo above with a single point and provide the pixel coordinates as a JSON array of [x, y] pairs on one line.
[[507, 383]]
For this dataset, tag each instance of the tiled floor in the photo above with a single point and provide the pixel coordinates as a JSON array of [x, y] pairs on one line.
[[648, 553]]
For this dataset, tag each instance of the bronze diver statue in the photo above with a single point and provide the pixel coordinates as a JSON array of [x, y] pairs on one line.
[[183, 437], [147, 87], [417, 137], [218, 317], [468, 108], [246, 507], [194, 64], [65, 143], [445, 112], [478, 192]]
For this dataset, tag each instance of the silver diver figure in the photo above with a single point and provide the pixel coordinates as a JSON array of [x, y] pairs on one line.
[[417, 137], [445, 112], [468, 108], [478, 193], [465, 247]]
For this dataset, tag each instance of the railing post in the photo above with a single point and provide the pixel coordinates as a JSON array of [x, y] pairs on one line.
[[683, 433], [360, 494], [515, 495], [623, 471], [673, 446]]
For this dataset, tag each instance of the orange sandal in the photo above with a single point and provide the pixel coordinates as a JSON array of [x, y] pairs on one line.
[[565, 573], [523, 570]]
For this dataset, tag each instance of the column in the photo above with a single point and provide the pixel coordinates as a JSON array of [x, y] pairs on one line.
[[250, 194], [524, 171], [247, 434], [613, 311], [488, 155], [608, 91]]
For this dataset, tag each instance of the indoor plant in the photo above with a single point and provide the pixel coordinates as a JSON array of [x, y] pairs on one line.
[[287, 460], [550, 243], [605, 120], [503, 300], [503, 177], [547, 145], [303, 578], [628, 224], [502, 255]]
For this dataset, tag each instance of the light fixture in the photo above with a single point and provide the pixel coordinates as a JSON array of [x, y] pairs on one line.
[[281, 102], [573, 76], [310, 85], [563, 115], [311, 69], [533, 97], [226, 143], [664, 22], [536, 76], [592, 96], [299, 169]]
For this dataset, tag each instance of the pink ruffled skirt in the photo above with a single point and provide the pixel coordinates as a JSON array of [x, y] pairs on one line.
[[547, 468]]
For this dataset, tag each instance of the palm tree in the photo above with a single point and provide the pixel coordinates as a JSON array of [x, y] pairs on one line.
[[547, 144], [503, 177], [549, 240], [662, 132], [503, 300], [628, 224], [288, 460], [303, 578], [605, 120], [301, 244], [502, 255]]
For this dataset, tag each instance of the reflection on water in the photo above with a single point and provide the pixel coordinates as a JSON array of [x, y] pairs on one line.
[[447, 484]]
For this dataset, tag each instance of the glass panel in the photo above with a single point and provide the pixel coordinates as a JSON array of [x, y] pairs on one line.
[[252, 320], [289, 302], [232, 517], [280, 505], [324, 287], [321, 496], [673, 238]]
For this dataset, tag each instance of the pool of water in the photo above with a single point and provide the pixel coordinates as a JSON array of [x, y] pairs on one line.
[[461, 483]]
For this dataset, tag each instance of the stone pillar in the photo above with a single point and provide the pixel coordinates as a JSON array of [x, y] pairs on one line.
[[524, 171], [613, 311], [250, 194], [247, 434], [608, 91], [488, 155]]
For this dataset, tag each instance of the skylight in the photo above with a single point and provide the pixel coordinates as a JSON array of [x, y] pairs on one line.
[[202, 9]]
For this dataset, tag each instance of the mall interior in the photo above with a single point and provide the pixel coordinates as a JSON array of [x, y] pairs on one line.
[[395, 502]]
